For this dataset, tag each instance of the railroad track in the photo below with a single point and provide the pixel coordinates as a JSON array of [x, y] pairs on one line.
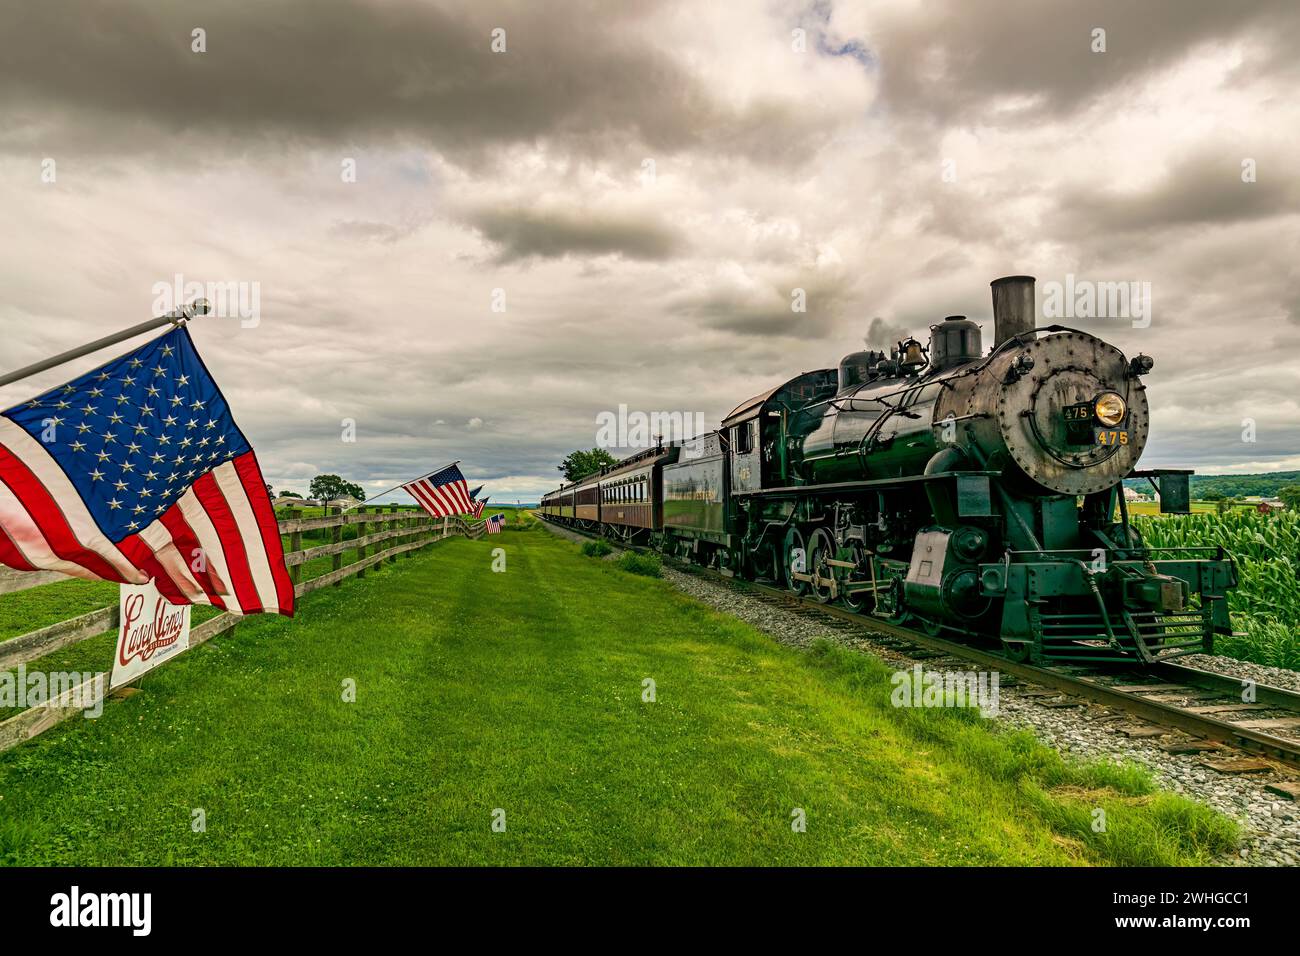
[[1256, 718]]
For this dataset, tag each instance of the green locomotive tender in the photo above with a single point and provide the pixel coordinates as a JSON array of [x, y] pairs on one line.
[[946, 489]]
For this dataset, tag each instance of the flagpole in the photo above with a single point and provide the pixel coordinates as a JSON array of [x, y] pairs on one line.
[[177, 317], [407, 482]]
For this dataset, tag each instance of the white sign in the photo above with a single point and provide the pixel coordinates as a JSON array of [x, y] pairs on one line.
[[152, 630]]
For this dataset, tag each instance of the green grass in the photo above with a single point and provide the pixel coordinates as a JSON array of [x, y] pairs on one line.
[[524, 691], [597, 548], [648, 564], [25, 611]]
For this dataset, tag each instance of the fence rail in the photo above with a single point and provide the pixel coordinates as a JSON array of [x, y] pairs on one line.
[[11, 580], [419, 529]]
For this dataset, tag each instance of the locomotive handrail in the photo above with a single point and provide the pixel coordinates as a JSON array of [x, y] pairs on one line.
[[874, 482], [1192, 547], [1189, 547]]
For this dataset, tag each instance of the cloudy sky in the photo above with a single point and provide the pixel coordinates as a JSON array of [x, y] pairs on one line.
[[472, 252]]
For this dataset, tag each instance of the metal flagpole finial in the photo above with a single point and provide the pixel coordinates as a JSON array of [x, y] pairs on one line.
[[192, 311]]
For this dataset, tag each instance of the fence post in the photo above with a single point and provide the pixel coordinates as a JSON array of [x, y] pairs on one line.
[[392, 558], [336, 537], [295, 544], [361, 548]]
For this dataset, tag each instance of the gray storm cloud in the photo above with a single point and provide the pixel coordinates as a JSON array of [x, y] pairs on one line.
[[522, 233], [123, 78], [956, 61]]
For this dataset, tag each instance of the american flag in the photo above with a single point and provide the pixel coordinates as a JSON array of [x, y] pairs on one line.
[[137, 470], [494, 523], [442, 493], [478, 505], [474, 494]]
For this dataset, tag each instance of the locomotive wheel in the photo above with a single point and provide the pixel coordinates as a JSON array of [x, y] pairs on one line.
[[856, 602], [821, 547], [794, 545]]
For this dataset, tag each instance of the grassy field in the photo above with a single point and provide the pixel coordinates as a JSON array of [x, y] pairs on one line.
[[521, 692]]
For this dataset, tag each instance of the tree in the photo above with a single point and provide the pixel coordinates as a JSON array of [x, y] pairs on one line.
[[290, 494], [1290, 496], [270, 492], [1224, 505], [581, 463], [327, 487]]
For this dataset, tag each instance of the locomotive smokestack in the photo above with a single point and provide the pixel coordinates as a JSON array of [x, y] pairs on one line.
[[1014, 310]]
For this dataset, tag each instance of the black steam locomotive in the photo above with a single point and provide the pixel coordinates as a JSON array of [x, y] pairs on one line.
[[940, 488]]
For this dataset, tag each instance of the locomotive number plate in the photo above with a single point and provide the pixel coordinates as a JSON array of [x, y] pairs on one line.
[[1079, 426], [1112, 436]]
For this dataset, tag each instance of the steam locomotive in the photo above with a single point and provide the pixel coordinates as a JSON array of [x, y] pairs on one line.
[[939, 488]]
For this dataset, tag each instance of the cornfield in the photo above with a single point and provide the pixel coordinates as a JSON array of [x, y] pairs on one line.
[[1265, 606]]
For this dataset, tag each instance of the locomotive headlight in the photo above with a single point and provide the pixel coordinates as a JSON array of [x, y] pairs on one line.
[[1109, 408]]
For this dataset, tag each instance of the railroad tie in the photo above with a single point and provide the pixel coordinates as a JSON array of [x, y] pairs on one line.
[[1235, 765]]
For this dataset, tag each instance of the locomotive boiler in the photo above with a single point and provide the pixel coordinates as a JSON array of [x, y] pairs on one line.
[[953, 489]]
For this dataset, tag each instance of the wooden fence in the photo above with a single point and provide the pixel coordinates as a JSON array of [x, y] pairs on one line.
[[380, 537]]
